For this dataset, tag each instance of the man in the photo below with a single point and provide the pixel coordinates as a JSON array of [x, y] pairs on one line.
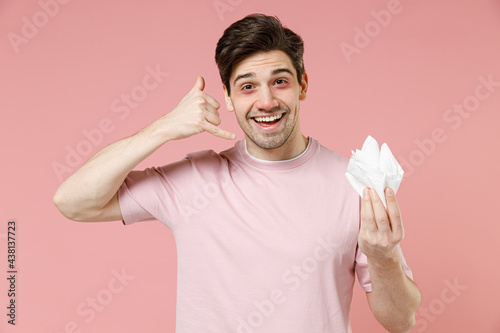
[[269, 233]]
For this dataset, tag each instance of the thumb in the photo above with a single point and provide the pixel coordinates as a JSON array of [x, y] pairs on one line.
[[200, 84]]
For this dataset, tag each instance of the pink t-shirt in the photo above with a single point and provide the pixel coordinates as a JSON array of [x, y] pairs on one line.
[[262, 246]]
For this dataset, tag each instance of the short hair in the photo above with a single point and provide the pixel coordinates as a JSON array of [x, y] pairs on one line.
[[257, 33]]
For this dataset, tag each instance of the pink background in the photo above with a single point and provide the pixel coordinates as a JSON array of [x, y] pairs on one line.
[[64, 79]]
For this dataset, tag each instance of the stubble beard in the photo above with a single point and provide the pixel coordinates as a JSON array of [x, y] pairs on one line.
[[271, 140]]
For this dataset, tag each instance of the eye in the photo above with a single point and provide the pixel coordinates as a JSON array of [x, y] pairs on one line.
[[281, 81], [246, 87]]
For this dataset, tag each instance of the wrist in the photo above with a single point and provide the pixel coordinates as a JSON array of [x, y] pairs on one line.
[[160, 131], [388, 262]]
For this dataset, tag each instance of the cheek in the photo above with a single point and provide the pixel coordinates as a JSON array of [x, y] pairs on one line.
[[242, 106], [291, 104]]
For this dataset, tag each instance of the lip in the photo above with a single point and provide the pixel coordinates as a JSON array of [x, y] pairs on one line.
[[270, 128]]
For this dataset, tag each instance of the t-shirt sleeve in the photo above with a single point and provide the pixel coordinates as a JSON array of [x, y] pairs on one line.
[[155, 193]]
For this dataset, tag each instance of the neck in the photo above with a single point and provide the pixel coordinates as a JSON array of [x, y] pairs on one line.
[[293, 147]]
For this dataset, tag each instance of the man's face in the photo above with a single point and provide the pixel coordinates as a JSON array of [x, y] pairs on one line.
[[265, 85]]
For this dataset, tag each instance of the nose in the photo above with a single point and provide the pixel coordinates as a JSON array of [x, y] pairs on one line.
[[266, 100]]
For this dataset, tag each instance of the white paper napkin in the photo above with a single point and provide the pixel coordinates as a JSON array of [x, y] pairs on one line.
[[370, 168]]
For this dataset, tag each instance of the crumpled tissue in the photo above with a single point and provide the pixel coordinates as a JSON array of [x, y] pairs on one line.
[[372, 168]]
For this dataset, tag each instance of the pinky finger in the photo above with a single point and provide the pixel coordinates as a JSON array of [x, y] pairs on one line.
[[217, 131]]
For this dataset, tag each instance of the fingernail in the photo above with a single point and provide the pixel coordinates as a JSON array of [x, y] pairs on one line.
[[233, 136], [389, 191], [365, 192]]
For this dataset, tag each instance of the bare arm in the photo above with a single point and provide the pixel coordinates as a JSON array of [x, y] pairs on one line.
[[394, 298], [90, 194]]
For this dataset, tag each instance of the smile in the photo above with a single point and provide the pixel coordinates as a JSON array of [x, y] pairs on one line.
[[268, 123], [268, 119]]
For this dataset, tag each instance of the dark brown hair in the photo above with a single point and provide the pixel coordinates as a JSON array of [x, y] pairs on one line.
[[257, 33]]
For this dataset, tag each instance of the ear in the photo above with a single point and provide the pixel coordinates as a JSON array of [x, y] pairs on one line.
[[303, 87], [229, 103]]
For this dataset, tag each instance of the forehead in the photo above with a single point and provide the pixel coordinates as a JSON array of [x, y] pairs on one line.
[[262, 63]]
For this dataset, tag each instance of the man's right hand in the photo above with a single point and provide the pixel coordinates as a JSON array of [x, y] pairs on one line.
[[196, 113], [90, 194]]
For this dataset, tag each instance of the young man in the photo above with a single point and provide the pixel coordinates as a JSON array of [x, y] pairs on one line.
[[269, 233]]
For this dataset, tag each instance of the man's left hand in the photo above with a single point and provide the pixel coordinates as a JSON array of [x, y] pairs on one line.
[[381, 230]]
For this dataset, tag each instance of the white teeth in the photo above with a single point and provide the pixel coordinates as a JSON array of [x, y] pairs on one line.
[[268, 119]]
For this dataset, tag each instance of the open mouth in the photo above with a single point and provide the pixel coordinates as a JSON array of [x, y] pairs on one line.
[[269, 122]]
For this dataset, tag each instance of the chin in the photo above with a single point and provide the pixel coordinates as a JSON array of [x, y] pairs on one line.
[[270, 143]]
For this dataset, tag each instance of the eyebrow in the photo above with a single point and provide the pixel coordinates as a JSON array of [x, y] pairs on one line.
[[252, 74]]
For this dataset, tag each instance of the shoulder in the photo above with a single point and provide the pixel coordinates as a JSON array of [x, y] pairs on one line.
[[199, 162], [335, 165], [332, 158], [209, 157]]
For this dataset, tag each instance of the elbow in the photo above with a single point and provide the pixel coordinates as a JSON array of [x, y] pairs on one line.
[[75, 210], [410, 322], [400, 321], [402, 325], [65, 207], [61, 206]]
